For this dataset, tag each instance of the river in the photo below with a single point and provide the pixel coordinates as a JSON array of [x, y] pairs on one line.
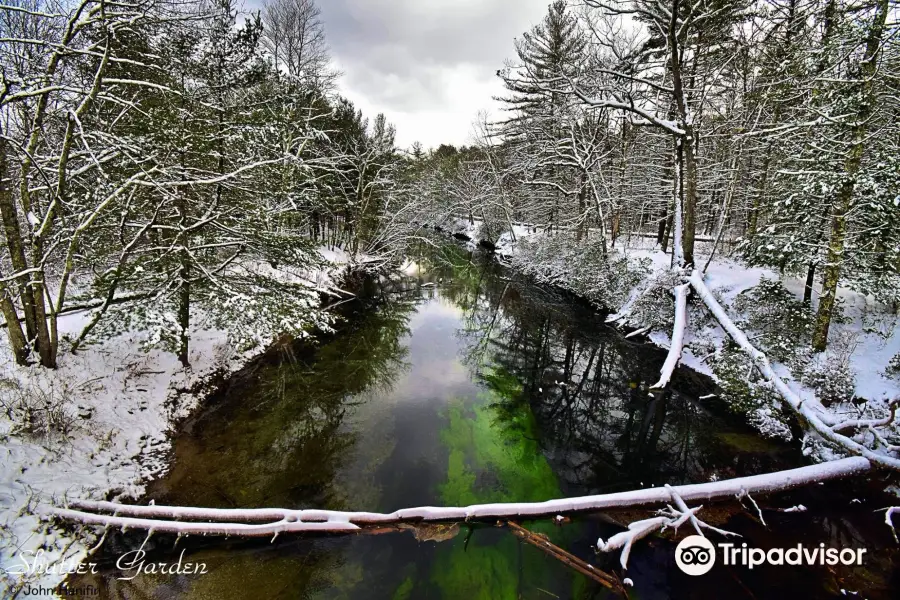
[[466, 384]]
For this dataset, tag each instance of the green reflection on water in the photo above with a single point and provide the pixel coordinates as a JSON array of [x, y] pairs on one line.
[[494, 457], [405, 590]]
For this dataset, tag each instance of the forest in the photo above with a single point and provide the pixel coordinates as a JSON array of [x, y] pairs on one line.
[[184, 187]]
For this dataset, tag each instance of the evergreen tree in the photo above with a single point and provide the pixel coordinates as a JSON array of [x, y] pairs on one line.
[[540, 115]]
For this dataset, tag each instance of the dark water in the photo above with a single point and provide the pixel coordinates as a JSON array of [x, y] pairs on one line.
[[481, 388]]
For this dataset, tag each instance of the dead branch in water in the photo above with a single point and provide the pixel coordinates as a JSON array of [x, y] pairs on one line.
[[543, 544]]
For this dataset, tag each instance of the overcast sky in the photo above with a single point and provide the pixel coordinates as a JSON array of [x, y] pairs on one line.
[[429, 65]]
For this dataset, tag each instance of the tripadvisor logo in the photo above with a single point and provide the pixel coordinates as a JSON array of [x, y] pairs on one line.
[[696, 555]]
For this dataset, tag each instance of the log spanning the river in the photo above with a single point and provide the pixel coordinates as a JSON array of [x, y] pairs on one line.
[[271, 522]]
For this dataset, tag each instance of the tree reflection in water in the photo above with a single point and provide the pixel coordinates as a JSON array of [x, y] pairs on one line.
[[276, 435], [543, 351], [479, 388]]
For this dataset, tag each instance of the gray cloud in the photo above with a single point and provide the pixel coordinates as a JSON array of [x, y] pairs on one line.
[[428, 64]]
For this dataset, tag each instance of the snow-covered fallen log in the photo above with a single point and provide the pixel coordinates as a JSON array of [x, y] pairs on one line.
[[638, 332], [238, 522], [669, 518], [822, 422], [677, 338]]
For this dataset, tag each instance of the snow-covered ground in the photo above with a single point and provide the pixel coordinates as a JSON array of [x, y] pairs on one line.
[[118, 403], [874, 345], [868, 330]]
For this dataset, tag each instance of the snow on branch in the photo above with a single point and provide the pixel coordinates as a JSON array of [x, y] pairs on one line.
[[669, 517], [636, 531], [887, 519], [273, 521], [822, 422], [677, 338]]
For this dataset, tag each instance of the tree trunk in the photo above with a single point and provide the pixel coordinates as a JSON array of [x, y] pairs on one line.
[[13, 329], [184, 292], [16, 247], [689, 207], [844, 200], [184, 313], [46, 349], [810, 280], [266, 522], [688, 174], [832, 273], [667, 231], [661, 226], [761, 194], [582, 203]]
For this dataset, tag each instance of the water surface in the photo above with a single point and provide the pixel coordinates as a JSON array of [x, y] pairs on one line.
[[465, 384]]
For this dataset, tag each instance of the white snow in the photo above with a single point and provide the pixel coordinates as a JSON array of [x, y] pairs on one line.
[[872, 329], [122, 404]]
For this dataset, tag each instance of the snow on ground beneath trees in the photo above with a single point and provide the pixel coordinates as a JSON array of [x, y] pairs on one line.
[[870, 327], [335, 255], [121, 402], [504, 245], [871, 330]]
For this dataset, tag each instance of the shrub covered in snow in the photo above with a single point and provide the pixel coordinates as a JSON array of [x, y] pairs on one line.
[[259, 307], [833, 380], [782, 323], [749, 394], [38, 408], [781, 326], [830, 373], [655, 308], [579, 266], [893, 368], [490, 229]]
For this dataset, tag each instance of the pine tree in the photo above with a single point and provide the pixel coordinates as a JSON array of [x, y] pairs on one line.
[[540, 115]]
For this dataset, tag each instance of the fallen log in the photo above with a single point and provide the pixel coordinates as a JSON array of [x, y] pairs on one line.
[[677, 346], [822, 422], [265, 522]]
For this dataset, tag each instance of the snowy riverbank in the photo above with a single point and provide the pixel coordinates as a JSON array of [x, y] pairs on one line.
[[101, 425], [853, 377]]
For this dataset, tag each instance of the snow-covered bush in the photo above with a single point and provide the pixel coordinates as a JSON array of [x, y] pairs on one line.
[[544, 258], [38, 409], [893, 368], [490, 229], [781, 326], [582, 267], [259, 307], [834, 381], [830, 373], [655, 307], [782, 323], [749, 394]]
